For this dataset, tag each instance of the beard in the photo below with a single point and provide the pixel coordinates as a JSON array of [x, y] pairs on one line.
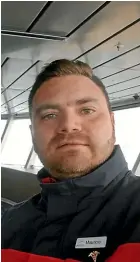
[[78, 162]]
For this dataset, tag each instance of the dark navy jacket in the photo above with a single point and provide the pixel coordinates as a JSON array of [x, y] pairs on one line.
[[103, 203]]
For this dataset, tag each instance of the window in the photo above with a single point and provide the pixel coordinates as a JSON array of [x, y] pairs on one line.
[[127, 124], [18, 144], [2, 126], [37, 164]]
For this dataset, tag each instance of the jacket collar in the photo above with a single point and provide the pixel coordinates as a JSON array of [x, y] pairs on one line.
[[100, 177]]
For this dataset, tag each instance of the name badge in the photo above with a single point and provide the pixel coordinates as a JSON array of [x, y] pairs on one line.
[[91, 242]]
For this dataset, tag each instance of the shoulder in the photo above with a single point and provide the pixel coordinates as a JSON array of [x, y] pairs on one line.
[[132, 183], [130, 194], [18, 221], [21, 211], [132, 215], [126, 195], [129, 189]]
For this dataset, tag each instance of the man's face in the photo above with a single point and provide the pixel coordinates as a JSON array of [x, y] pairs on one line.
[[72, 128]]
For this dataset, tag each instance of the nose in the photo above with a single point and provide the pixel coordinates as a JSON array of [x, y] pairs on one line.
[[70, 123]]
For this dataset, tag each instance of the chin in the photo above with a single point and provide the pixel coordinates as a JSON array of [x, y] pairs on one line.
[[71, 167]]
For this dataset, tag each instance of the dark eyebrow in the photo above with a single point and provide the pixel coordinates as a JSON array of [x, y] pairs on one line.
[[86, 100], [57, 106], [45, 107]]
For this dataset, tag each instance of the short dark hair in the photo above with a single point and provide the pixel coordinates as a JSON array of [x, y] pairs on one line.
[[65, 67]]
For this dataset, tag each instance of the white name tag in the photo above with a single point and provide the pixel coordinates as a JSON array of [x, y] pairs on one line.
[[91, 242]]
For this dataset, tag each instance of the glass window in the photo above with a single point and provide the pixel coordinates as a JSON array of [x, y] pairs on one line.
[[18, 143], [37, 164], [127, 124], [2, 126]]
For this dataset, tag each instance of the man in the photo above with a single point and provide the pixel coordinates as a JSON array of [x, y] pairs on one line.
[[88, 209]]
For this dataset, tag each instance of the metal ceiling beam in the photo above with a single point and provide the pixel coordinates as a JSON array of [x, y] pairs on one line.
[[107, 39], [39, 15], [112, 59], [5, 61], [88, 18], [29, 68], [20, 116], [32, 35], [125, 69]]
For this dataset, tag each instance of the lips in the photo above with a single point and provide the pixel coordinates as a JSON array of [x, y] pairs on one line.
[[71, 144]]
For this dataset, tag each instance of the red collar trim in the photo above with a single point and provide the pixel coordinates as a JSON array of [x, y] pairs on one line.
[[48, 180]]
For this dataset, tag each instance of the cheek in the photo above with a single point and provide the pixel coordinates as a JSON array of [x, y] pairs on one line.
[[100, 128], [42, 136]]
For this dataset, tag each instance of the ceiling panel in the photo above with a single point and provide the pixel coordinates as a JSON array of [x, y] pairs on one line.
[[15, 96], [17, 90], [21, 111], [20, 99], [122, 76], [18, 15], [2, 99], [101, 26], [12, 69], [40, 66], [28, 48], [20, 85], [95, 42], [63, 16], [124, 93], [119, 64], [125, 85], [4, 109], [109, 50], [19, 107], [27, 80], [20, 102], [104, 24], [4, 102], [11, 93]]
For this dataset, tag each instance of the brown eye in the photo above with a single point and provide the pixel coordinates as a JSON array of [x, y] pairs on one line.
[[87, 111], [49, 116]]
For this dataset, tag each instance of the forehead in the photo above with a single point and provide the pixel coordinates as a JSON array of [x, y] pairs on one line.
[[66, 89]]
